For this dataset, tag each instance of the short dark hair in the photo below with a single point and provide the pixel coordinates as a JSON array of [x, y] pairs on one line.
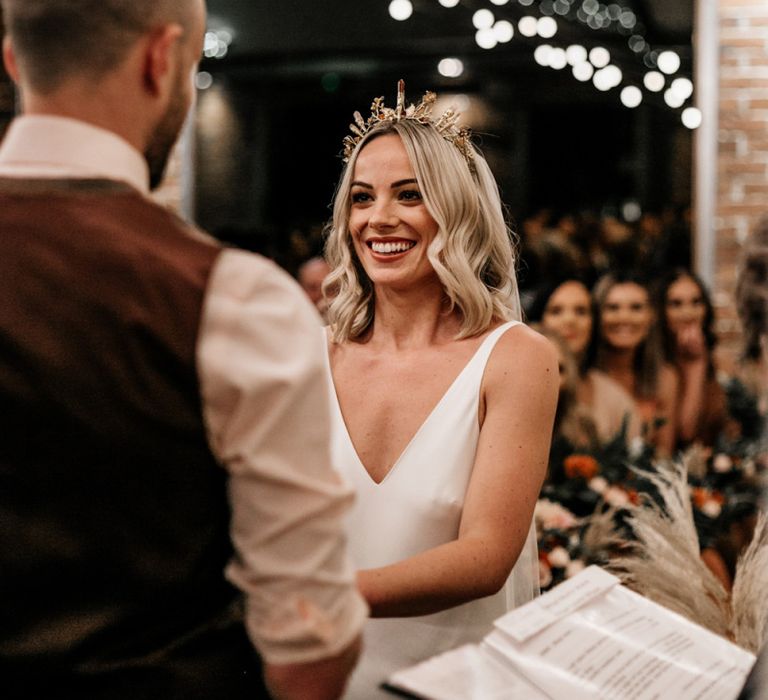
[[56, 39]]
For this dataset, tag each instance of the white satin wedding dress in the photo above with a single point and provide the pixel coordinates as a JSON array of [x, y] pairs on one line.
[[418, 506]]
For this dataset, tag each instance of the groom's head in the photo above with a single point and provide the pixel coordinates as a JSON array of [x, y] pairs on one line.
[[132, 59]]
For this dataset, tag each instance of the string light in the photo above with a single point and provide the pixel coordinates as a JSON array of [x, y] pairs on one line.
[[546, 27], [631, 96], [599, 57], [557, 59], [595, 64], [576, 54], [483, 19], [450, 67], [216, 43], [668, 62], [673, 99], [691, 117], [504, 31], [541, 54], [583, 71], [203, 80], [528, 26], [486, 38], [683, 87], [400, 10], [654, 81]]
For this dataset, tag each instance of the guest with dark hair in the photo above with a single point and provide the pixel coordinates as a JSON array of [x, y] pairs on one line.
[[572, 421], [566, 308], [688, 340]]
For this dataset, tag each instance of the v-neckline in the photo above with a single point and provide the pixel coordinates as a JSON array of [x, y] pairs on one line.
[[421, 427]]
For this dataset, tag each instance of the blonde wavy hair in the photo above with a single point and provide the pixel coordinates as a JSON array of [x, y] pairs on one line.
[[473, 252]]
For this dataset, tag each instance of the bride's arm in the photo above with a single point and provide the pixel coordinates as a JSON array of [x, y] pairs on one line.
[[519, 396]]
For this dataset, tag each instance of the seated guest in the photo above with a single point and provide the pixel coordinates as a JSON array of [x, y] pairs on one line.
[[574, 430], [688, 340], [628, 351], [567, 309], [311, 276]]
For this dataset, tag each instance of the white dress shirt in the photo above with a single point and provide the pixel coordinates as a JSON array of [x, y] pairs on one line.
[[260, 357]]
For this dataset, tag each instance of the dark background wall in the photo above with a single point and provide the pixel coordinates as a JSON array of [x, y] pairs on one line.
[[270, 128]]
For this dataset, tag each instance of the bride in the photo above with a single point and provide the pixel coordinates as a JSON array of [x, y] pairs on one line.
[[444, 400]]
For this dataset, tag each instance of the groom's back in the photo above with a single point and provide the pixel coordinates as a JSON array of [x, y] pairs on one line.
[[113, 511]]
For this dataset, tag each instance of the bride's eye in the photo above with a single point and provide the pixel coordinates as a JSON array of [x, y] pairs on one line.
[[410, 195], [360, 197]]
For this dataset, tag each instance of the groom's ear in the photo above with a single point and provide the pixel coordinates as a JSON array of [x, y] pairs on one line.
[[9, 59]]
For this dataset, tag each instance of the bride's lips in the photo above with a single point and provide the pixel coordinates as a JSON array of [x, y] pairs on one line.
[[389, 248]]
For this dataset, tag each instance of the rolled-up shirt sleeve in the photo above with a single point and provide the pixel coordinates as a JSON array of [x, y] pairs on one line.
[[265, 402]]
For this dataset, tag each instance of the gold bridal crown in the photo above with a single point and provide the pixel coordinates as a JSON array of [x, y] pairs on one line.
[[447, 125]]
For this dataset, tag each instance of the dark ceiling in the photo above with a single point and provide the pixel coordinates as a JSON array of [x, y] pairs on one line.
[[297, 69], [265, 28]]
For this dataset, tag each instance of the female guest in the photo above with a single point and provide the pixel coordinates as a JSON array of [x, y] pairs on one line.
[[573, 423], [629, 352], [688, 341], [566, 308], [444, 401], [752, 306]]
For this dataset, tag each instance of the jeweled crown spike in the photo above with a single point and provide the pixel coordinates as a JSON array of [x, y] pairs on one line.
[[447, 125]]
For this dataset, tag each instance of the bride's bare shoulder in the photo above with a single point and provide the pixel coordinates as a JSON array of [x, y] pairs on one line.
[[522, 351]]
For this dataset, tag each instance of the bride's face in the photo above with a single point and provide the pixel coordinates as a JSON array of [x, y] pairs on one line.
[[389, 222]]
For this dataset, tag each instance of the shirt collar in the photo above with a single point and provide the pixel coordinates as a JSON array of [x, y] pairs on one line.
[[53, 146]]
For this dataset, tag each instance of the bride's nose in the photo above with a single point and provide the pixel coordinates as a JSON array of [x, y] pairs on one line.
[[382, 215]]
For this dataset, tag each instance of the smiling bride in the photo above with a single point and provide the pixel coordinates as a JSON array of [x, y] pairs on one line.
[[444, 401]]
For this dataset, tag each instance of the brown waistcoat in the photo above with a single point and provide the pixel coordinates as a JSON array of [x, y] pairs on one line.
[[113, 511]]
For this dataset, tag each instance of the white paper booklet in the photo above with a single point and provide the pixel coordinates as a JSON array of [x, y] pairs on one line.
[[590, 638]]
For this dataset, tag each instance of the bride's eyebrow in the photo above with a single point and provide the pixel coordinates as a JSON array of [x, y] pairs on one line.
[[394, 185], [400, 183]]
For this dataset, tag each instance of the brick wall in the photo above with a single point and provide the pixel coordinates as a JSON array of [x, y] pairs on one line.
[[742, 149]]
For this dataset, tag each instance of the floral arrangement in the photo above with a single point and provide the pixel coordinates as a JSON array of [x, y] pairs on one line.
[[588, 505], [664, 563]]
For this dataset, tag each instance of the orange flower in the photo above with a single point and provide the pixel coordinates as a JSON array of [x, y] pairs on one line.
[[634, 497], [700, 496], [581, 466]]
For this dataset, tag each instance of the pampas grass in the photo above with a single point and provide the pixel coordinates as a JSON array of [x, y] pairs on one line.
[[749, 598], [600, 538], [665, 564]]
